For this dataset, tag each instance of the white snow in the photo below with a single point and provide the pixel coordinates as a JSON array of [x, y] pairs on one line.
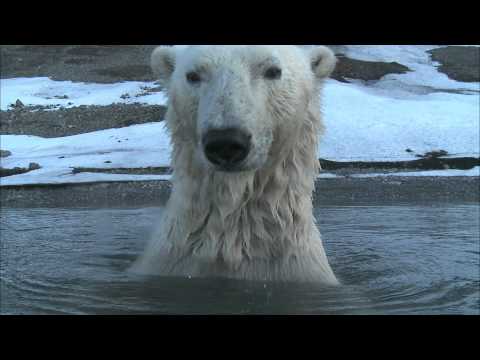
[[361, 126], [44, 91], [379, 121], [140, 146], [373, 121], [327, 175], [137, 146]]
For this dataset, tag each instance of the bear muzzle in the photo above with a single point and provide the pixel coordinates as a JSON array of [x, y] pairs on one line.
[[227, 148]]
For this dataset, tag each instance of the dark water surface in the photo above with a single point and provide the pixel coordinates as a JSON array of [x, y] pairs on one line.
[[416, 259]]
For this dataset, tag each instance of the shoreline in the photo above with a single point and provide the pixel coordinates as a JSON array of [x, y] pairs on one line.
[[337, 191]]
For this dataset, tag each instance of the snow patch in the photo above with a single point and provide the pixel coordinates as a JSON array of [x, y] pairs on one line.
[[361, 126], [46, 92], [137, 146], [63, 176]]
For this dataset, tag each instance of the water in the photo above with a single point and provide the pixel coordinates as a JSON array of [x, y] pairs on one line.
[[390, 259]]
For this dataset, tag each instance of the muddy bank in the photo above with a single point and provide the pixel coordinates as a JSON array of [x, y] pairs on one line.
[[18, 170], [129, 171], [461, 63], [423, 164], [342, 191], [365, 70], [115, 63], [82, 63], [78, 120]]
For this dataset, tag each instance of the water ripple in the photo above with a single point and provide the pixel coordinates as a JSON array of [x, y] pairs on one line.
[[390, 259]]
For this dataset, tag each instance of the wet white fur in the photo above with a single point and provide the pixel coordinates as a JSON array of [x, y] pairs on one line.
[[255, 224]]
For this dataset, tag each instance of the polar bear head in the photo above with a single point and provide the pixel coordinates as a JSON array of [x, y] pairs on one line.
[[238, 106]]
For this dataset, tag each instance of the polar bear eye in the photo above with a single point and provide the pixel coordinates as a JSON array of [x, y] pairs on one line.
[[273, 73], [193, 77]]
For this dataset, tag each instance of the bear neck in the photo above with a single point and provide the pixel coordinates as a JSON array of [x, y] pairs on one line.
[[234, 217]]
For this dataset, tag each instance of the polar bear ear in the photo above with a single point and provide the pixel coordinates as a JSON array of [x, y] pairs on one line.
[[323, 62], [163, 63]]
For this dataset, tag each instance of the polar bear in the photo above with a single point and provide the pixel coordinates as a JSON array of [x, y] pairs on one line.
[[245, 122]]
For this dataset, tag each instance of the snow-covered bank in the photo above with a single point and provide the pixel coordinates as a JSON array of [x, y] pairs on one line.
[[136, 146], [65, 176], [420, 111], [360, 127], [398, 118]]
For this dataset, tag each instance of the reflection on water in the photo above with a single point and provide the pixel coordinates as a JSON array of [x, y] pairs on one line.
[[391, 260]]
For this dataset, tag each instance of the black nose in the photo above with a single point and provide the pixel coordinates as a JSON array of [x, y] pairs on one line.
[[227, 147]]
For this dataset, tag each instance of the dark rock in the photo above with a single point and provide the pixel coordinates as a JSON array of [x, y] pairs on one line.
[[460, 63], [18, 104], [131, 171], [433, 154], [17, 170], [5, 153], [33, 166], [127, 123], [429, 161], [365, 70]]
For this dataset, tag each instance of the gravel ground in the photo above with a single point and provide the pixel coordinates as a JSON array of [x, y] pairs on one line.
[[343, 191], [365, 70], [78, 120], [83, 63]]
